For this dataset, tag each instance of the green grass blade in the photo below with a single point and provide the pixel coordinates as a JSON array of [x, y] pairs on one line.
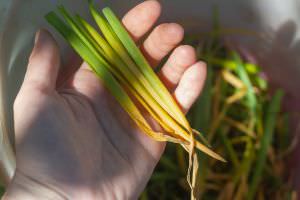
[[86, 38], [89, 41], [201, 118], [120, 69], [232, 65], [202, 108], [107, 50], [243, 75], [250, 98], [266, 141], [131, 67], [229, 148], [106, 54], [142, 63], [112, 56], [97, 55], [98, 67]]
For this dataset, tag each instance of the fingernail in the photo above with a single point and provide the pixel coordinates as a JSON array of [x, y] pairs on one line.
[[37, 34], [40, 37]]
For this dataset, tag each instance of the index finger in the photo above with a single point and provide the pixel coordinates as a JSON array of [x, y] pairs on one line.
[[139, 20]]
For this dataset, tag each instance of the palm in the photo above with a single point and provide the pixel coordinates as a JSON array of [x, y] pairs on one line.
[[89, 138], [124, 155], [78, 136]]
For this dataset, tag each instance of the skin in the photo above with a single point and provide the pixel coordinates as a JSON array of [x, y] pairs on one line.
[[75, 141]]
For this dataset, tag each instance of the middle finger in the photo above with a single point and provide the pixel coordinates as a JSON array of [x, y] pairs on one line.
[[161, 41]]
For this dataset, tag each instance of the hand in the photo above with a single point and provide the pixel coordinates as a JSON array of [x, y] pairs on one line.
[[75, 141]]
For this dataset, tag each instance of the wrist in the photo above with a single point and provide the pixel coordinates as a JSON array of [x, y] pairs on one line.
[[25, 188]]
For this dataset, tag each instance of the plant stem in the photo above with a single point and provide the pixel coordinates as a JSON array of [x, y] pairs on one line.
[[266, 141]]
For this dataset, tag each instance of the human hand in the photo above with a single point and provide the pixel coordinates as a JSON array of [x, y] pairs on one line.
[[75, 141]]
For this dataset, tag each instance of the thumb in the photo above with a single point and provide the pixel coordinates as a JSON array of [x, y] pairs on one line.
[[44, 63]]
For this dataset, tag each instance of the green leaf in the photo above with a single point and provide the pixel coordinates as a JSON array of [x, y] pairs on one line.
[[266, 141]]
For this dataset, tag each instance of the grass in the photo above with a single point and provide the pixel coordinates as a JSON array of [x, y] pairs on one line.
[[118, 62], [250, 130], [236, 112]]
